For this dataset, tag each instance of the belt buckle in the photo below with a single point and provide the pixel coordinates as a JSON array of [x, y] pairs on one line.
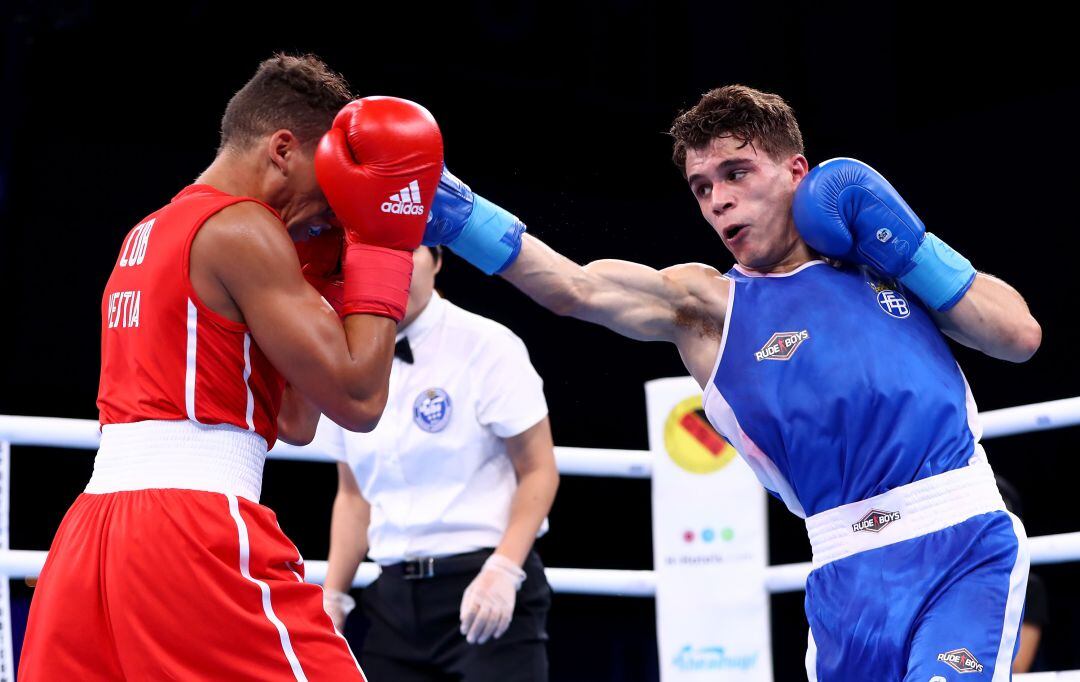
[[418, 569]]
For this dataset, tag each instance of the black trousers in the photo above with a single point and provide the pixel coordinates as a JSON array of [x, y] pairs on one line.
[[414, 633]]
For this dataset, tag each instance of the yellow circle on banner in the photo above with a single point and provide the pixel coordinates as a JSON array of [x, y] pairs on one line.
[[692, 442]]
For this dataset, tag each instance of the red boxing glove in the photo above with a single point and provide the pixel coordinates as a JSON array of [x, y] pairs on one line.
[[320, 263], [379, 166]]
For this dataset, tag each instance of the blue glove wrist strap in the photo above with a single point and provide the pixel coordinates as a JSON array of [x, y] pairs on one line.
[[491, 238], [939, 276]]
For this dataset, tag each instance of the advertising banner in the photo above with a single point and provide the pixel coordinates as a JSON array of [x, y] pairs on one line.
[[709, 543]]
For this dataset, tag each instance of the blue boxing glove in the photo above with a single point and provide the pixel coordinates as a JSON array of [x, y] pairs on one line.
[[482, 233], [845, 209]]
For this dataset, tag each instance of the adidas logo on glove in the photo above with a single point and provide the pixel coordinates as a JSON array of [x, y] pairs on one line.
[[405, 202]]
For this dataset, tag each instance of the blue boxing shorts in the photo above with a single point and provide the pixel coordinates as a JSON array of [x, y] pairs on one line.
[[923, 583]]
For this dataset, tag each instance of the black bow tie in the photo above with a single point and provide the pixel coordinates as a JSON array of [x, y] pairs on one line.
[[403, 350]]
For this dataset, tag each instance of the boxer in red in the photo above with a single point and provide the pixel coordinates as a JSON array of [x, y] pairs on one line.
[[213, 345]]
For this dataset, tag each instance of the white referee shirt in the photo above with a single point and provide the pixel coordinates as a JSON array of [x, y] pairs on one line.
[[435, 470]]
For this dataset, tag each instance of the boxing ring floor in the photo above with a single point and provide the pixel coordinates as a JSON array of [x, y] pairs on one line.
[[598, 462]]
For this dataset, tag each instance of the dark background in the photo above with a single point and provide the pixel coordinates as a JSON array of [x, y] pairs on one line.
[[557, 112]]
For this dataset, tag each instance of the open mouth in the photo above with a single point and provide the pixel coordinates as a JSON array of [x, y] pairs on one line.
[[733, 231]]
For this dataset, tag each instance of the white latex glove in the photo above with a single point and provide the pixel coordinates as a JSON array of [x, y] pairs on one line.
[[337, 605], [488, 603]]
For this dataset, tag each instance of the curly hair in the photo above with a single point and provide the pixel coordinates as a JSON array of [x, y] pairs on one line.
[[297, 93], [755, 118]]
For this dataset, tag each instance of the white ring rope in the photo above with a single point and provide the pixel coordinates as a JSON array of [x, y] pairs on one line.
[[1048, 549], [83, 434]]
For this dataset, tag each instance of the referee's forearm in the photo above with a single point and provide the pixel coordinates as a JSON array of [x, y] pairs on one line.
[[530, 505], [348, 544]]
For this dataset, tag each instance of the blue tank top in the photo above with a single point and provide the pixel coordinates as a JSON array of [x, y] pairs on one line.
[[836, 387]]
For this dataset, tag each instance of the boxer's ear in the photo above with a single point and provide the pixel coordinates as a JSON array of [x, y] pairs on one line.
[[799, 167], [279, 146]]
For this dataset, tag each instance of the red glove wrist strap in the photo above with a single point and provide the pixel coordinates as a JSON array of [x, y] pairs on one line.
[[376, 281]]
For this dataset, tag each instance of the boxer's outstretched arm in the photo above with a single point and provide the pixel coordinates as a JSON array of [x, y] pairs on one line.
[[684, 304], [993, 318], [344, 373], [629, 298]]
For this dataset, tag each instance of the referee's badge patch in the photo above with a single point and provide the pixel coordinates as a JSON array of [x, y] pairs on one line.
[[432, 409]]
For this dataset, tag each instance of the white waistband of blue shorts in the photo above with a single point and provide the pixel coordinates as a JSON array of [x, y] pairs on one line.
[[915, 509], [181, 454]]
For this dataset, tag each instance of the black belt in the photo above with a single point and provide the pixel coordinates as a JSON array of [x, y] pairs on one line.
[[423, 568]]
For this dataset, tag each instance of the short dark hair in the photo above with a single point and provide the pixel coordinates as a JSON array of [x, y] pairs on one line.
[[298, 93], [748, 115]]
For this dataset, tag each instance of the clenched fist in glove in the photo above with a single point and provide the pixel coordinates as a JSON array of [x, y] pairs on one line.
[[379, 166], [488, 604], [483, 233], [845, 209]]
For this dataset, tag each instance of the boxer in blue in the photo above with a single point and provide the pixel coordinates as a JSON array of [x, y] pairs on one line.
[[823, 360]]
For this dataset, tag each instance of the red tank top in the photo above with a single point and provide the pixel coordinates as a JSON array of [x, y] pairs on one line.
[[164, 354]]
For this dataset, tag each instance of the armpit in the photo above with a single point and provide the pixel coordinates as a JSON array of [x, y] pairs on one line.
[[687, 317]]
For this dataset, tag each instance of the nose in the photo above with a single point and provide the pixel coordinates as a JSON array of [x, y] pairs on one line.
[[722, 199]]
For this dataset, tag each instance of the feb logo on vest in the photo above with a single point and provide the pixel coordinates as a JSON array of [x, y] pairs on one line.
[[432, 409], [891, 301]]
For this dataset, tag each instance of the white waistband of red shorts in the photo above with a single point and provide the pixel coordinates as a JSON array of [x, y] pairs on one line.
[[181, 454], [915, 509]]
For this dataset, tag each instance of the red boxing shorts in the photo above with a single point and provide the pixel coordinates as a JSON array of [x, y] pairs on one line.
[[178, 584]]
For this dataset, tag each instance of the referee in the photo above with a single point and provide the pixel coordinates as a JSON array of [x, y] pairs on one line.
[[447, 495]]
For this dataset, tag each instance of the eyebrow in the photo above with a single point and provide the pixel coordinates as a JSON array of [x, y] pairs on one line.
[[722, 167]]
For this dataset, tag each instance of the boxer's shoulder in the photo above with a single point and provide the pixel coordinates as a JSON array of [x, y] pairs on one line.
[[249, 217], [701, 282], [242, 238], [245, 226]]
